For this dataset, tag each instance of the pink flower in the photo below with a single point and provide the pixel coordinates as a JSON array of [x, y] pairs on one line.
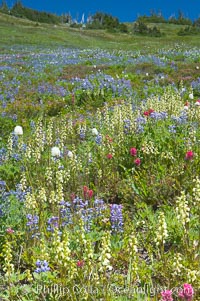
[[187, 292], [87, 193], [133, 151], [147, 113], [137, 161], [80, 263], [181, 295], [90, 193], [166, 295], [10, 231], [109, 156], [189, 155]]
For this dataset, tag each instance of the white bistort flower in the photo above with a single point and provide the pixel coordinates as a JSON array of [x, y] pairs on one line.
[[95, 132], [55, 151], [18, 130], [191, 96], [70, 154]]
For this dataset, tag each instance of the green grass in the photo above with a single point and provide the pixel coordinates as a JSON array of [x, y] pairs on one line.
[[16, 31]]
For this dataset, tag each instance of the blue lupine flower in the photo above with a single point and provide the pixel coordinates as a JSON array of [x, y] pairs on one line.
[[98, 139], [16, 157], [116, 218], [172, 129], [19, 194], [42, 266], [141, 120], [2, 184], [140, 129], [32, 225], [87, 217], [6, 196], [196, 85], [14, 117], [158, 115], [127, 124], [182, 119], [100, 207], [66, 215], [83, 210], [82, 134], [79, 204], [15, 140], [52, 223]]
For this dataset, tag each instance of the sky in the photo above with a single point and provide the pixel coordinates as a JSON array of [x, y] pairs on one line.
[[124, 10]]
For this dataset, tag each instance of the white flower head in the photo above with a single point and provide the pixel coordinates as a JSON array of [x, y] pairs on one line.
[[191, 96], [55, 151], [95, 132], [70, 154], [147, 74], [197, 67], [197, 103], [18, 130]]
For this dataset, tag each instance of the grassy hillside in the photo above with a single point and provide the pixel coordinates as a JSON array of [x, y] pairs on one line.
[[15, 31]]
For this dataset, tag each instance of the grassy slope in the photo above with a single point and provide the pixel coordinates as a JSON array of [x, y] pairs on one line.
[[15, 31]]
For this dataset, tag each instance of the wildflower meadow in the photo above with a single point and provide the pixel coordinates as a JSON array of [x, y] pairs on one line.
[[100, 174]]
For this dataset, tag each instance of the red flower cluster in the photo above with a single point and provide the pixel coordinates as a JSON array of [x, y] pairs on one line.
[[10, 231], [147, 113], [166, 295], [189, 155], [87, 193], [109, 156], [137, 161], [80, 263], [133, 151], [187, 292]]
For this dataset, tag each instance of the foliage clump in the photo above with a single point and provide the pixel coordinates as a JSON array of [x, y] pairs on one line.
[[142, 29], [106, 21], [20, 11], [158, 18], [189, 30], [4, 7]]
